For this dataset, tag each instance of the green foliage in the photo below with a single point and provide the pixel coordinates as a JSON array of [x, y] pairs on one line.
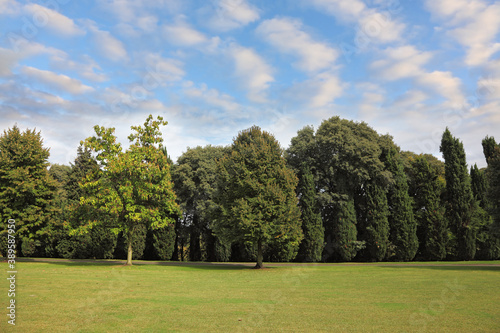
[[493, 193], [432, 227], [131, 190], [311, 248], [137, 240], [478, 185], [195, 177], [375, 225], [489, 146], [458, 196], [27, 191], [257, 194], [402, 223], [344, 157]]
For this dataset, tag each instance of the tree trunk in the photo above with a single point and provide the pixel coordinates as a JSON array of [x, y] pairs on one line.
[[129, 252], [259, 255]]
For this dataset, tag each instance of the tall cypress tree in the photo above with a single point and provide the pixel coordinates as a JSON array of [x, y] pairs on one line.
[[375, 225], [478, 185], [459, 199], [493, 193], [311, 248], [402, 223], [345, 229], [432, 228]]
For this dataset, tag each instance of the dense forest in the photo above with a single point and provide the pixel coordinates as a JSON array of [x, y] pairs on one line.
[[339, 193]]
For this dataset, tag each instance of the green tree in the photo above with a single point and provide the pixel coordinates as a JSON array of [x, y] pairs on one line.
[[458, 196], [311, 248], [402, 223], [493, 193], [478, 185], [99, 242], [374, 224], [344, 157], [195, 183], [27, 191], [131, 189], [257, 194], [489, 145], [432, 227]]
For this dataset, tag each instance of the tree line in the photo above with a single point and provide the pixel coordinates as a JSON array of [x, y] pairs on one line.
[[341, 192]]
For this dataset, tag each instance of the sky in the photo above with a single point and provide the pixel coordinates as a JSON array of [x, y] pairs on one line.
[[213, 68]]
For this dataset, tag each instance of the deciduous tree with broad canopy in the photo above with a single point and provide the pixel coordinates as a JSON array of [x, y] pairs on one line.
[[130, 188], [256, 194]]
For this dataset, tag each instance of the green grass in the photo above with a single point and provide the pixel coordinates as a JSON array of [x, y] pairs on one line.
[[85, 297]]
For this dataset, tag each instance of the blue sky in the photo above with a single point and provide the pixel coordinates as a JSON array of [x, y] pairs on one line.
[[213, 68]]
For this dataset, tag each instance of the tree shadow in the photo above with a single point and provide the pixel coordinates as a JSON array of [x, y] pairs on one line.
[[119, 263], [448, 267]]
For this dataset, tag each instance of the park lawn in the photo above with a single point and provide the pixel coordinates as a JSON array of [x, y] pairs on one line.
[[100, 297]]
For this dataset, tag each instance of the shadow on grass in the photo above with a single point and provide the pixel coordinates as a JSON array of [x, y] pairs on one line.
[[116, 262], [448, 267]]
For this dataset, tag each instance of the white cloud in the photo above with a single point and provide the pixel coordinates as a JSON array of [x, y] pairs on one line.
[[401, 62], [287, 36], [9, 7], [474, 24], [8, 59], [230, 14], [87, 68], [375, 25], [108, 46], [211, 96], [21, 49], [254, 73], [410, 99], [444, 83], [350, 11], [317, 91], [58, 81], [131, 11], [54, 21], [161, 70], [380, 27], [182, 34]]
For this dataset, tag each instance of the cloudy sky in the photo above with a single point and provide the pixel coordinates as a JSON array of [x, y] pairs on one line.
[[213, 68]]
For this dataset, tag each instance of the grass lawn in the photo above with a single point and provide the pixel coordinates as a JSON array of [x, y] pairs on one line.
[[100, 297]]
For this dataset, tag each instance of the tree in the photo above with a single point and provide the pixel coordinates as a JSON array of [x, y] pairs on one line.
[[256, 193], [311, 248], [402, 224], [374, 224], [27, 191], [131, 189], [489, 145], [99, 242], [344, 156], [459, 199], [195, 183], [478, 185], [432, 229], [493, 193]]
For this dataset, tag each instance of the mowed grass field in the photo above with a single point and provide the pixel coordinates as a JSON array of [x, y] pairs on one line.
[[108, 297]]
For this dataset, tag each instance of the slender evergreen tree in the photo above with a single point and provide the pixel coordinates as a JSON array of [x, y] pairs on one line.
[[311, 248], [432, 228], [493, 193], [375, 225], [459, 199], [402, 223], [478, 185]]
